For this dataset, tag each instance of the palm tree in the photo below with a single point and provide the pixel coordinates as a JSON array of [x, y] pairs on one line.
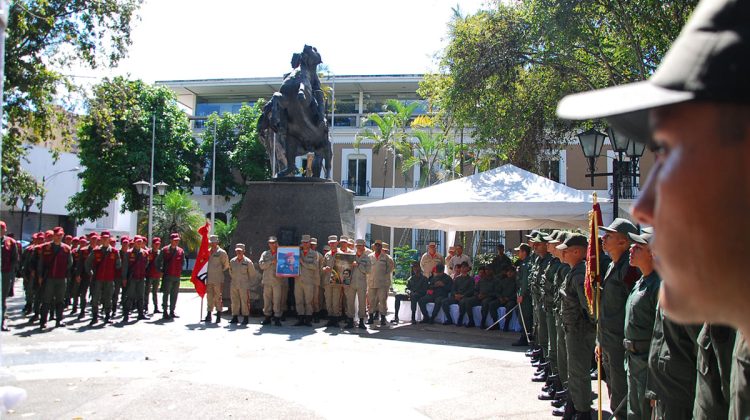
[[178, 213], [391, 134]]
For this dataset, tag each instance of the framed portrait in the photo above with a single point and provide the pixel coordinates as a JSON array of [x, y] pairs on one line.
[[342, 270], [287, 261]]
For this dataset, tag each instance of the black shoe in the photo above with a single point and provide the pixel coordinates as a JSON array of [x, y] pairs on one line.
[[74, 310], [164, 316], [106, 319], [383, 322], [362, 324], [349, 323], [413, 321], [266, 321], [546, 396], [558, 403], [126, 317], [34, 318], [141, 316], [157, 311], [94, 320], [594, 375], [539, 378], [300, 322], [369, 320], [332, 322], [562, 394], [218, 317], [307, 321], [208, 318], [394, 320], [315, 319], [246, 320], [276, 322], [172, 315], [470, 324], [42, 326], [234, 320]]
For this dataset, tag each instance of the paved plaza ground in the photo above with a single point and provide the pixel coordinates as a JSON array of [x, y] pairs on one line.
[[183, 369]]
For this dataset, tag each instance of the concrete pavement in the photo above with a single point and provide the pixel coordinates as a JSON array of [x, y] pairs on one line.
[[185, 369]]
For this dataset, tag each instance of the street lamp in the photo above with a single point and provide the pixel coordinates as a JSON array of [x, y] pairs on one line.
[[42, 193], [26, 204], [591, 144], [143, 188], [635, 152]]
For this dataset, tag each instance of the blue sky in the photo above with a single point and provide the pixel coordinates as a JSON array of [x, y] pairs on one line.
[[190, 39]]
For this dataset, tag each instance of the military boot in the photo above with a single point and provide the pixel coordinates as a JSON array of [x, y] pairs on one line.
[[43, 318], [107, 318], [126, 316], [164, 315], [300, 322], [349, 323], [234, 320], [74, 310], [208, 317], [307, 321], [362, 324], [172, 314], [94, 318], [277, 322], [266, 321], [567, 411], [383, 322], [369, 319], [218, 317], [246, 320]]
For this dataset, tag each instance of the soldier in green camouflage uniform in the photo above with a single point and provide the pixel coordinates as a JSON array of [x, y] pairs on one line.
[[523, 296], [714, 363]]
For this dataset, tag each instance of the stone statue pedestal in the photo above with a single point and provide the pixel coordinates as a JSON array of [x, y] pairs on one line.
[[289, 208]]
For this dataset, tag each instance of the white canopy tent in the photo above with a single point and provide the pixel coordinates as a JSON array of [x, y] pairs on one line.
[[504, 198]]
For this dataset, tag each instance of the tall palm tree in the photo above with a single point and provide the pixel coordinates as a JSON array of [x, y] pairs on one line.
[[179, 213], [391, 133]]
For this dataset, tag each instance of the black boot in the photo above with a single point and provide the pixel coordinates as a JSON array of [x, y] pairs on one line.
[[164, 315], [276, 322], [218, 317], [362, 324], [106, 318], [300, 322], [349, 323], [448, 319], [246, 320], [74, 310], [383, 322], [395, 320], [332, 321], [369, 319], [566, 411], [43, 320], [208, 318], [94, 318], [266, 321], [315, 318], [234, 320], [308, 323], [126, 316], [172, 315]]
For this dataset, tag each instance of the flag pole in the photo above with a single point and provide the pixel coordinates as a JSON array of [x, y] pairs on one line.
[[596, 305]]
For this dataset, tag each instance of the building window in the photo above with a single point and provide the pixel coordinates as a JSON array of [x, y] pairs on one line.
[[356, 179], [486, 241], [551, 169], [422, 237]]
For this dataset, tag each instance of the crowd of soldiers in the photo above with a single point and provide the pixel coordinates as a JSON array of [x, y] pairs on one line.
[[60, 271], [652, 366]]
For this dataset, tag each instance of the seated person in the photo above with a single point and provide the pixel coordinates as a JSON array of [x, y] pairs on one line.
[[463, 288], [506, 296], [416, 287], [485, 293], [439, 286]]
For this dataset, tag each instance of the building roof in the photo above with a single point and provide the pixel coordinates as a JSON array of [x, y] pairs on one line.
[[263, 87]]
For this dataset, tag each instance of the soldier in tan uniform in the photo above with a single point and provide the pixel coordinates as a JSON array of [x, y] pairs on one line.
[[318, 294], [430, 259], [379, 281], [272, 285], [357, 287], [332, 283], [310, 263], [217, 272], [242, 272]]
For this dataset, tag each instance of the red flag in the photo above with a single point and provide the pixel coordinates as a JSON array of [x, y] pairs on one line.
[[200, 269], [593, 273]]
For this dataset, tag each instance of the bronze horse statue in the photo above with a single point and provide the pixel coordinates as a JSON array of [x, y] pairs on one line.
[[296, 115]]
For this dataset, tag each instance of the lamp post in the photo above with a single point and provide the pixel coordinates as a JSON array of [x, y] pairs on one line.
[[143, 187], [42, 193], [26, 204], [591, 144], [213, 167]]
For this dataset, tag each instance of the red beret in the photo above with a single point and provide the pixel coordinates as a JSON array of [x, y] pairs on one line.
[[49, 233], [174, 236], [105, 234], [124, 238], [70, 237], [156, 239], [57, 230]]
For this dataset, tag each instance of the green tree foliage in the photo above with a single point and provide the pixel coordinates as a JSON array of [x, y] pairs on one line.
[[240, 157], [225, 231], [177, 212], [403, 257], [505, 69], [115, 145], [44, 39]]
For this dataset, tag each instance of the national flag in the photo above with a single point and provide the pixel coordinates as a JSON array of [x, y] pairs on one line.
[[200, 269], [593, 273]]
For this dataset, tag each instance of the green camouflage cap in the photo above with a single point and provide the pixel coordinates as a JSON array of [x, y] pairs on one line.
[[574, 239], [620, 225]]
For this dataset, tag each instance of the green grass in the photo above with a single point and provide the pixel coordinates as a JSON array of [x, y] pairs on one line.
[[399, 285]]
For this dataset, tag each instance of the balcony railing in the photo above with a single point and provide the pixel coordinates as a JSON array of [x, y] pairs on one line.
[[628, 191], [361, 189]]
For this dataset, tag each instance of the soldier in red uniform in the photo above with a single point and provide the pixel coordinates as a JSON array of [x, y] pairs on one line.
[[55, 261], [72, 285], [102, 263], [27, 270], [8, 267], [153, 275], [82, 277], [137, 261], [120, 273], [170, 260]]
